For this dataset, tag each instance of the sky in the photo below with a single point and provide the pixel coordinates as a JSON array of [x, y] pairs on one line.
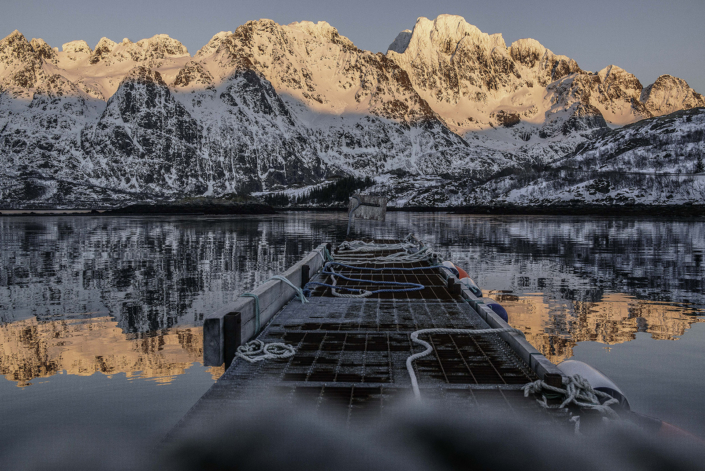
[[645, 37]]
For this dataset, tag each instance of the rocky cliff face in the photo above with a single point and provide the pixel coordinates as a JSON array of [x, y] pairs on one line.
[[270, 106]]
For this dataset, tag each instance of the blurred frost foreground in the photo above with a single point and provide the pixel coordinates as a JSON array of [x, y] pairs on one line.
[[409, 438]]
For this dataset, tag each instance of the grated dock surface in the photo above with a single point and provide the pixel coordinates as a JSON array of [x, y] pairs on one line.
[[351, 355]]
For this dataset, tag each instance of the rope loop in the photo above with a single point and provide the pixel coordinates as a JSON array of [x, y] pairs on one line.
[[256, 350], [356, 267], [299, 291], [423, 253], [358, 246]]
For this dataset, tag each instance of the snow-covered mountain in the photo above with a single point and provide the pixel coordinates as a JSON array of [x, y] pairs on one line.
[[525, 96], [272, 106], [654, 161]]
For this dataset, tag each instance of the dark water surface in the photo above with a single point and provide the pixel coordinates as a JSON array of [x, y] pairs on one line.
[[100, 317]]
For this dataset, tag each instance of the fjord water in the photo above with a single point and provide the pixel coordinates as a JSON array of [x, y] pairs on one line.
[[100, 316]]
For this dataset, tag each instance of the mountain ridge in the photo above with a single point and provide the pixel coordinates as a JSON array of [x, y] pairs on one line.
[[269, 106]]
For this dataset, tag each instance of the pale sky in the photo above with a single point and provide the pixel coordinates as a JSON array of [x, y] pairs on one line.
[[645, 37]]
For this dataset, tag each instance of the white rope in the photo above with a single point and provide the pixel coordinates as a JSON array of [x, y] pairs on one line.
[[362, 294], [256, 350], [415, 338], [357, 246], [423, 254], [577, 391]]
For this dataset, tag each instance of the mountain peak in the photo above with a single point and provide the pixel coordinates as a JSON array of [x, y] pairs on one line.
[[321, 31], [214, 43], [551, 67], [401, 42], [615, 74], [668, 94], [447, 31], [314, 29], [21, 60], [158, 47], [161, 45], [76, 47], [528, 51], [42, 49], [14, 45], [449, 60], [14, 35], [104, 47], [145, 75], [105, 43]]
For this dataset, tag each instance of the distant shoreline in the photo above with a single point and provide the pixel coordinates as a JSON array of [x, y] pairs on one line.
[[552, 210], [152, 210], [589, 210], [255, 209]]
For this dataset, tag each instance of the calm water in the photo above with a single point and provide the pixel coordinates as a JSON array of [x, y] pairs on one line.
[[100, 316]]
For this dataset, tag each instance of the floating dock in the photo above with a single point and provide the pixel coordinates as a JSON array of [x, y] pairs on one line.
[[351, 353]]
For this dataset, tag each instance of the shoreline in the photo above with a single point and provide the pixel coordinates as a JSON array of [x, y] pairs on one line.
[[687, 210]]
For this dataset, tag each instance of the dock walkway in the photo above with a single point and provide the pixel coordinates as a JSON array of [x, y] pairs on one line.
[[351, 352]]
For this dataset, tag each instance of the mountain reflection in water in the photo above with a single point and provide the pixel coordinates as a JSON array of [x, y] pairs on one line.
[[554, 327], [31, 349], [125, 296]]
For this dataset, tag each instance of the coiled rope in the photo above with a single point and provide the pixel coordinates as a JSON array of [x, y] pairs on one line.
[[256, 350], [423, 254], [415, 338], [361, 293]]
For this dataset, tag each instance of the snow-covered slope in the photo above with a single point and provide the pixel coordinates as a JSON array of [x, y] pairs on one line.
[[654, 161], [269, 106]]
